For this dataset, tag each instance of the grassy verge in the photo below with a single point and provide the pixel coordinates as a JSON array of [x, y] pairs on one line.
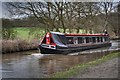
[[74, 70], [29, 33]]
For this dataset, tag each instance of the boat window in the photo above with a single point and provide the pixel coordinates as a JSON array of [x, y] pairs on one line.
[[98, 39], [87, 39], [101, 39], [75, 40], [59, 39], [80, 40], [62, 39], [69, 40], [105, 38], [90, 39], [93, 39]]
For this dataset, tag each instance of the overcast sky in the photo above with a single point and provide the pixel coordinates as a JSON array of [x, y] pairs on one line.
[[0, 9], [3, 12]]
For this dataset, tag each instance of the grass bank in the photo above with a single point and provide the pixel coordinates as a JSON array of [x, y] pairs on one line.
[[29, 33], [80, 67]]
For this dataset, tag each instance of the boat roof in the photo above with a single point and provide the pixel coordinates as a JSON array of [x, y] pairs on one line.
[[57, 33], [86, 34]]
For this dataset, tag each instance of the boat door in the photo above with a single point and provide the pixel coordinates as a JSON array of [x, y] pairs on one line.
[[75, 40]]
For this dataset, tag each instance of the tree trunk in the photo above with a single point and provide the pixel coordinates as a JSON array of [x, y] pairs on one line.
[[77, 30], [90, 31], [64, 30], [57, 30], [86, 30], [70, 31]]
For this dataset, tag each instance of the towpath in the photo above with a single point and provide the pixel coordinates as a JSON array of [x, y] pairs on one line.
[[108, 69]]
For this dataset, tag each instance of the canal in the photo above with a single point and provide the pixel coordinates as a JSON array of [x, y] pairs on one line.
[[32, 64]]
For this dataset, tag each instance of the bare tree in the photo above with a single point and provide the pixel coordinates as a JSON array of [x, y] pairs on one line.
[[86, 15], [42, 11], [118, 10], [106, 8]]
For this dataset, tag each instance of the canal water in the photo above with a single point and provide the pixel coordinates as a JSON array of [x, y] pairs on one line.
[[36, 65]]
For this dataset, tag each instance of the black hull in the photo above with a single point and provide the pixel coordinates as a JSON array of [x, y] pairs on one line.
[[51, 51], [72, 49]]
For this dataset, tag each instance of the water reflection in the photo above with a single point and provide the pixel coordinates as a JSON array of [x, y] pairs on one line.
[[38, 65]]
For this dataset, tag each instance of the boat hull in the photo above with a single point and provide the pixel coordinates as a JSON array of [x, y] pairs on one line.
[[72, 48], [51, 51]]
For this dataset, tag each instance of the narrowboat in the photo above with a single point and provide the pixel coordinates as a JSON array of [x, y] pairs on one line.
[[60, 43]]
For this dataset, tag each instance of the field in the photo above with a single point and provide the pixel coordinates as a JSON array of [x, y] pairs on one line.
[[27, 33]]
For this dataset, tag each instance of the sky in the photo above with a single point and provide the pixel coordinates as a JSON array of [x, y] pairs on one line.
[[3, 12], [0, 9]]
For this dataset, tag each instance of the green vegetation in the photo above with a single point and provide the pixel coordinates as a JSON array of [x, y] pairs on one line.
[[27, 33], [8, 33], [74, 70]]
